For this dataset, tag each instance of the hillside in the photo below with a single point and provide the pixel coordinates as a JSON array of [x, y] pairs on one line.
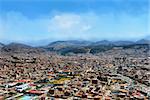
[[79, 47]]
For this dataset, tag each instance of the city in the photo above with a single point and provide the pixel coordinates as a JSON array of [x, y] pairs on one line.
[[74, 49], [102, 76]]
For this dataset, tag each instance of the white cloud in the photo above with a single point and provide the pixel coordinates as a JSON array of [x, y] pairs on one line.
[[66, 21], [16, 26], [68, 24]]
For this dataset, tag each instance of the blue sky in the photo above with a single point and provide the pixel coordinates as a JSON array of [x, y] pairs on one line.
[[36, 20]]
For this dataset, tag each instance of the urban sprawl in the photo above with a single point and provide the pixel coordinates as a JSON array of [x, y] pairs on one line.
[[50, 76]]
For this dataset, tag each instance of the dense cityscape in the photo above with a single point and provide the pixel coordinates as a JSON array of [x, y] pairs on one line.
[[115, 74]]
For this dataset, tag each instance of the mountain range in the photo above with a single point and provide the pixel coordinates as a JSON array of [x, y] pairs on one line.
[[74, 46]]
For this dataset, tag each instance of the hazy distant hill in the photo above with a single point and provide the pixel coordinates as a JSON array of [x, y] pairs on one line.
[[119, 43], [19, 48], [1, 45], [65, 47], [103, 42], [75, 47], [64, 44], [71, 43], [143, 41]]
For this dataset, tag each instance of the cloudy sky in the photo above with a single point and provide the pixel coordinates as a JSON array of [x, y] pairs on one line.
[[36, 20]]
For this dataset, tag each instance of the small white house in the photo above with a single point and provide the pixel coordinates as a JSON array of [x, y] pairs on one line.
[[20, 88]]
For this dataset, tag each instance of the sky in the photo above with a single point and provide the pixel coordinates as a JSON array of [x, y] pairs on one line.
[[52, 20]]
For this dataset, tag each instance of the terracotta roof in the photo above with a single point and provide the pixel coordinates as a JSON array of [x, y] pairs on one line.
[[123, 90], [23, 80], [123, 84], [32, 84], [107, 98]]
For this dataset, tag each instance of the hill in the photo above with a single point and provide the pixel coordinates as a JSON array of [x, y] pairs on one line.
[[20, 48], [79, 47]]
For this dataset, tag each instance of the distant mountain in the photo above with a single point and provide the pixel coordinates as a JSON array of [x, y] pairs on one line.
[[19, 48], [65, 47], [71, 43], [119, 43], [143, 41], [103, 42], [147, 37], [75, 47], [63, 44], [110, 43], [1, 45]]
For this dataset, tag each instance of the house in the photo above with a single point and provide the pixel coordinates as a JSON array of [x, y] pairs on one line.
[[36, 92], [23, 87]]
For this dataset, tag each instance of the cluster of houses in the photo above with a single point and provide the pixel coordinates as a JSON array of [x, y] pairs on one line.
[[66, 84], [74, 78]]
